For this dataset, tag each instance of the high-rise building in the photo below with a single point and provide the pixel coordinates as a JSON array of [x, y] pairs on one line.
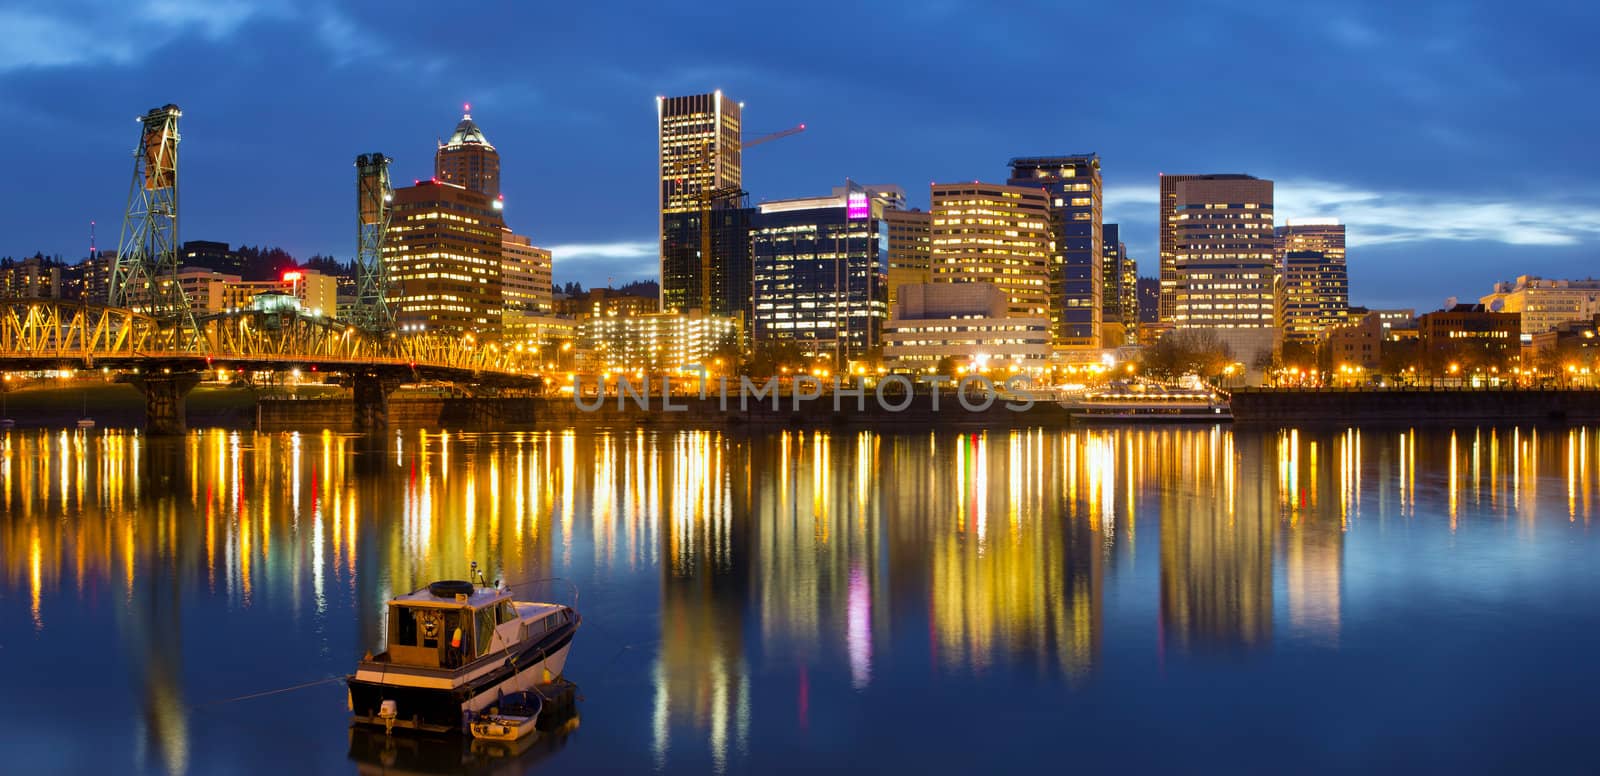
[[525, 274], [699, 165], [1077, 279], [1323, 235], [1545, 304], [821, 269], [1312, 295], [1119, 300], [992, 233], [1167, 226], [910, 248], [468, 160], [657, 342], [443, 256], [35, 277], [1225, 253], [1149, 290]]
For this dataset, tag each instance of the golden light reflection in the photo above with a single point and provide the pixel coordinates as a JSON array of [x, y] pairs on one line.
[[822, 555]]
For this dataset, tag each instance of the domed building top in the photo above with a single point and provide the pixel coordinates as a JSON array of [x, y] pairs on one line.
[[467, 133]]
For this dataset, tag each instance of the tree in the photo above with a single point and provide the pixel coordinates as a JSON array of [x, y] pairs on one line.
[[1187, 352]]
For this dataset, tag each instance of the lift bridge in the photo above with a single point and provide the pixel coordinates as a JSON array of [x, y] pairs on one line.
[[149, 335]]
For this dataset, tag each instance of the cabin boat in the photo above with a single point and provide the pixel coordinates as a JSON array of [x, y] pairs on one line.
[[1120, 402], [454, 649]]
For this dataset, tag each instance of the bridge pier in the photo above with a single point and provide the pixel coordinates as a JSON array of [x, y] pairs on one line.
[[371, 395], [164, 403]]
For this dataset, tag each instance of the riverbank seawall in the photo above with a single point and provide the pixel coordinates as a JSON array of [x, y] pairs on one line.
[[487, 414], [1414, 406]]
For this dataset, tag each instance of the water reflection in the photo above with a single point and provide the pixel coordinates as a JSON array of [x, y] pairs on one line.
[[778, 566]]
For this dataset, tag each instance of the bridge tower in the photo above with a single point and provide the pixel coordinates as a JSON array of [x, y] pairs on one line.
[[145, 276], [374, 195]]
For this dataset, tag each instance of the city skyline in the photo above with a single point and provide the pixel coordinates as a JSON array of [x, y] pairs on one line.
[[1355, 151]]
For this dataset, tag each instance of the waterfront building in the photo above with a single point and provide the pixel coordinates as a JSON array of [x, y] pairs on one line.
[[525, 274], [1544, 304], [468, 160], [443, 255], [991, 233], [552, 337], [970, 324], [1224, 257], [1467, 337], [821, 269], [699, 168], [657, 342], [1312, 292], [1359, 343], [910, 248], [1311, 295], [1078, 282]]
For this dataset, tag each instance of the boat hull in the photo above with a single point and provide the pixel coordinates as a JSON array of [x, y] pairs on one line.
[[423, 705]]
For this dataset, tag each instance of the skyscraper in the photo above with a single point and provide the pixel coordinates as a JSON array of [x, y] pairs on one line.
[[1167, 226], [821, 272], [468, 160], [443, 253], [990, 233], [699, 164], [1116, 318], [1313, 287], [1077, 295], [1225, 260]]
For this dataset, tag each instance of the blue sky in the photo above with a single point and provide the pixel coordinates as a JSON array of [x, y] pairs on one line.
[[1455, 139]]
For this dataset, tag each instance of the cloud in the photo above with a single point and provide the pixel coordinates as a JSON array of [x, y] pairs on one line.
[[75, 34], [640, 249], [1388, 217]]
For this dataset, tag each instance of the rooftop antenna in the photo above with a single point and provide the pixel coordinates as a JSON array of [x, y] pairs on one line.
[[91, 239]]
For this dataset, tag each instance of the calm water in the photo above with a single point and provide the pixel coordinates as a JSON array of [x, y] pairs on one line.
[[1131, 599]]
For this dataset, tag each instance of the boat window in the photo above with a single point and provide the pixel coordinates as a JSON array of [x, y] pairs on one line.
[[485, 630], [405, 626], [508, 613]]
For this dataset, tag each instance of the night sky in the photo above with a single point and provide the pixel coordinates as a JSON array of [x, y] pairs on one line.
[[1454, 138]]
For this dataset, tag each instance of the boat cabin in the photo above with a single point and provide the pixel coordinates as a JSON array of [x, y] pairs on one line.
[[451, 624]]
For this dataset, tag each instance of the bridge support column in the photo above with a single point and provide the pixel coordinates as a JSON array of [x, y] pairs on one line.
[[164, 396], [371, 395]]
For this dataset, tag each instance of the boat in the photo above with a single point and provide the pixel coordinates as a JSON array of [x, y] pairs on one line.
[[454, 649], [512, 717], [1134, 402], [84, 424]]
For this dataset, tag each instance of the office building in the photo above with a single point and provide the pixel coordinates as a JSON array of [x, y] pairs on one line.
[[468, 160], [991, 233], [657, 342], [821, 269], [967, 325], [1322, 235], [699, 166], [443, 256], [205, 288], [1119, 319], [525, 274], [1312, 295], [1077, 290], [910, 248], [1225, 258], [1167, 225], [316, 293], [1545, 304]]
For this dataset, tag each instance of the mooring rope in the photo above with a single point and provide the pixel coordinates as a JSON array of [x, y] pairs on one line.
[[265, 693]]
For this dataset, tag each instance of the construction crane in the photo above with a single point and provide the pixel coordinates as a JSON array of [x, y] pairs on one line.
[[712, 196]]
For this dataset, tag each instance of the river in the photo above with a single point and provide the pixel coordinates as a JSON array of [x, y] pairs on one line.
[[1131, 599]]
